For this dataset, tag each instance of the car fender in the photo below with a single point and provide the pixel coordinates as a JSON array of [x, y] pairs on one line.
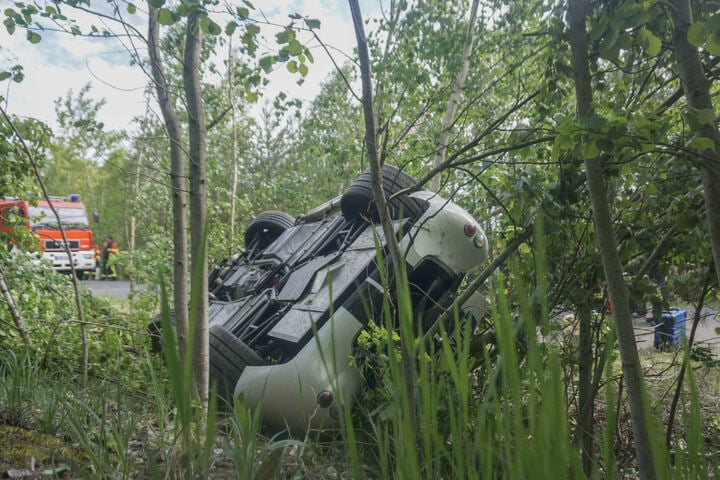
[[288, 392], [440, 235]]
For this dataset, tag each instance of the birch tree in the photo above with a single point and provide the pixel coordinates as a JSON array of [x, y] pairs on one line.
[[632, 370]]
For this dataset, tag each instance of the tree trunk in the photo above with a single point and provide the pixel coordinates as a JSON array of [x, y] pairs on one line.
[[697, 94], [586, 397], [449, 117], [612, 267], [177, 176], [198, 204], [406, 331], [234, 161]]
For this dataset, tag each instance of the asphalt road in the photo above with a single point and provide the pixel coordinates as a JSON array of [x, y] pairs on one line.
[[108, 288]]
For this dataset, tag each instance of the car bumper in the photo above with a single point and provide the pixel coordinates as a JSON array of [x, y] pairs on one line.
[[81, 260]]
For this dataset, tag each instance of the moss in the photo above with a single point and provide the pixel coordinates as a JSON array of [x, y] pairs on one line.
[[18, 446]]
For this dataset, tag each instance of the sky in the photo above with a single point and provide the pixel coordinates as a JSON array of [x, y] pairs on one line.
[[60, 62]]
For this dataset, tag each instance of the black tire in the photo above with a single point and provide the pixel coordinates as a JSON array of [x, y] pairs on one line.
[[358, 198], [155, 332], [228, 358], [266, 228]]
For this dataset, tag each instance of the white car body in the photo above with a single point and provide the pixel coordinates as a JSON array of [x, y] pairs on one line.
[[289, 392]]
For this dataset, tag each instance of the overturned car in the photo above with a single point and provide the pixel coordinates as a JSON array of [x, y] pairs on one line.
[[285, 313]]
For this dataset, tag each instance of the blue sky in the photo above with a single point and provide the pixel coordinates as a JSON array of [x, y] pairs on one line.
[[60, 63]]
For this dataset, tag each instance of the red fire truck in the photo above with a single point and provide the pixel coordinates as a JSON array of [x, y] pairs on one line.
[[41, 221]]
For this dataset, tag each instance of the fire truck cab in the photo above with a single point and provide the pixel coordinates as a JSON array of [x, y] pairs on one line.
[[41, 221]]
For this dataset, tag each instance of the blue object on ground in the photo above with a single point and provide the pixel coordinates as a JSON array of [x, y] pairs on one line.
[[670, 328]]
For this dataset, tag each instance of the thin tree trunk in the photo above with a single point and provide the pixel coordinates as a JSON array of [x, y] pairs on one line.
[[198, 204], [449, 118], [697, 95], [14, 312], [393, 22], [607, 247], [177, 177], [234, 161], [406, 331], [586, 397]]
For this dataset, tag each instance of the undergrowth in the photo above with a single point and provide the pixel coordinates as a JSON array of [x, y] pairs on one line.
[[505, 412]]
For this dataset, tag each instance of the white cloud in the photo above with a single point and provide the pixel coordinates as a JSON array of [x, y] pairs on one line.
[[60, 63]]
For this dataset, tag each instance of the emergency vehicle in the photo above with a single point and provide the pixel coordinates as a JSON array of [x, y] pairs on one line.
[[41, 221]]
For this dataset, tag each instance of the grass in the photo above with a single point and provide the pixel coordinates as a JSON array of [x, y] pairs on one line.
[[510, 418]]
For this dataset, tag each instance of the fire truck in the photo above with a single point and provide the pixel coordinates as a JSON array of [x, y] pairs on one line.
[[41, 221]]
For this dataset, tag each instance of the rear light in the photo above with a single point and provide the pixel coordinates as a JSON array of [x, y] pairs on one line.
[[325, 399], [470, 229]]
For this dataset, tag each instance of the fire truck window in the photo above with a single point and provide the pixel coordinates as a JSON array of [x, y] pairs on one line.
[[11, 215]]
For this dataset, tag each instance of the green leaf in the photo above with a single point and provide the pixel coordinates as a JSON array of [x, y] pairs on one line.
[[303, 70], [312, 23], [295, 47], [697, 34], [703, 143], [589, 150], [266, 64], [131, 9], [157, 3], [594, 122], [608, 41], [651, 189], [292, 66], [9, 25], [4, 75], [252, 29], [165, 17], [242, 12], [230, 28], [33, 37], [251, 97], [712, 24], [713, 44], [210, 27], [254, 79], [204, 24], [649, 42], [282, 37]]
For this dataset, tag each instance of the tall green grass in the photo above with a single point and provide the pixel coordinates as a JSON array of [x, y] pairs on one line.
[[508, 418]]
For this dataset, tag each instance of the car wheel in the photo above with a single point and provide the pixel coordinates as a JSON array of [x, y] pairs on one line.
[[228, 358], [358, 198], [267, 227]]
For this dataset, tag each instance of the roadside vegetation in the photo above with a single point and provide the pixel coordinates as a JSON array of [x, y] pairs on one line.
[[582, 136], [507, 409]]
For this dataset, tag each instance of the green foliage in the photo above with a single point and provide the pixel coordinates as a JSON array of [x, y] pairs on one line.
[[45, 300], [517, 151], [16, 178]]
